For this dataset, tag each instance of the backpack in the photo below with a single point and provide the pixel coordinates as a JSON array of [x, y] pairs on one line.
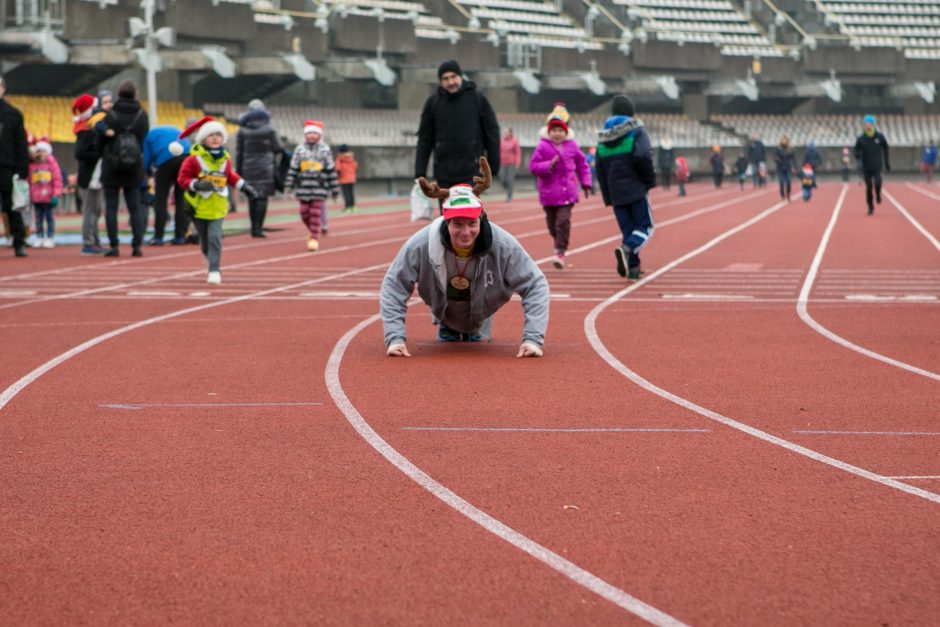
[[124, 152]]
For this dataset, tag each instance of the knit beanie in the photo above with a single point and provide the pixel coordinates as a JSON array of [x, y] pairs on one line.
[[448, 66], [559, 116], [622, 105]]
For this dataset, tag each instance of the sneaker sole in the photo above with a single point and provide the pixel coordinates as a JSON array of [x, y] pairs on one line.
[[621, 262], [558, 264]]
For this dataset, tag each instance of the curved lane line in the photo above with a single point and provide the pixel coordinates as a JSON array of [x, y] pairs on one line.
[[551, 559], [8, 394], [590, 329], [803, 299]]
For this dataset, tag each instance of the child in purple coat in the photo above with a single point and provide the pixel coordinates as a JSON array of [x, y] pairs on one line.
[[560, 169]]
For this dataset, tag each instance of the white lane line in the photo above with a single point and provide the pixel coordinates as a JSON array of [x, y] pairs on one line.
[[590, 329], [551, 559], [916, 477], [690, 296], [803, 312], [910, 218], [824, 432], [541, 430], [8, 394], [135, 406]]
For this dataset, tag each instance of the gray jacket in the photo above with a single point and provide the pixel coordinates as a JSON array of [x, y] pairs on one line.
[[505, 268]]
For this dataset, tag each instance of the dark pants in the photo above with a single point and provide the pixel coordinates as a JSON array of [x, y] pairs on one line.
[[636, 226], [210, 240], [349, 194], [872, 179], [138, 217], [17, 230], [718, 176], [257, 210], [666, 178], [164, 180], [559, 225], [783, 177]]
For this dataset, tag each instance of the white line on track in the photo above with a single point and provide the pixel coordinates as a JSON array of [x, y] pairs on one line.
[[134, 406], [551, 559], [8, 394], [803, 312], [910, 218], [590, 329], [572, 430], [916, 477]]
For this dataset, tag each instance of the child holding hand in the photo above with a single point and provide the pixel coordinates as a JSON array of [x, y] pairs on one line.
[[206, 175]]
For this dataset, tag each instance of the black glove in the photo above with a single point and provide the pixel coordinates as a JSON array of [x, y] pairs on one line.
[[202, 185], [249, 191], [587, 192]]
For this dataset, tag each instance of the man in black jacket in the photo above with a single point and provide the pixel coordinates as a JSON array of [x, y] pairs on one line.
[[89, 111], [871, 150], [14, 160], [127, 115], [459, 126]]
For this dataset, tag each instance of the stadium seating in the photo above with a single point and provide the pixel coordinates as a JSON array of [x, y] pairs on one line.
[[833, 130], [911, 24]]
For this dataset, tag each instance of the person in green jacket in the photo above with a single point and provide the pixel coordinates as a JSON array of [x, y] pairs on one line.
[[206, 176]]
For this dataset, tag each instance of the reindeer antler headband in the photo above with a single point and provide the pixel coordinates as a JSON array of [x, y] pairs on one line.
[[480, 183]]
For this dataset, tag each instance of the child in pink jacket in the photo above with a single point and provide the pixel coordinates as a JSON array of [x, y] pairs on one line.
[[560, 168], [45, 188]]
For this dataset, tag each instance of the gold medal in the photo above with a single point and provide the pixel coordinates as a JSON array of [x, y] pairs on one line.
[[460, 283]]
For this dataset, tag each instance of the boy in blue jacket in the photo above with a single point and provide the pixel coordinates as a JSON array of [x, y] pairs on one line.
[[625, 175]]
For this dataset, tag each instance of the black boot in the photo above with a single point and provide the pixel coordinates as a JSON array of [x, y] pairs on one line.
[[262, 212], [253, 214]]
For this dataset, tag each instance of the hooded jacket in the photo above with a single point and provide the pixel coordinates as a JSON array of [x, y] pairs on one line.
[[873, 152], [256, 148], [458, 128], [125, 115], [624, 161], [45, 181], [501, 268], [559, 184]]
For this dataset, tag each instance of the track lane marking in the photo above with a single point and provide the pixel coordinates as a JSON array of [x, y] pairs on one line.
[[590, 329], [803, 311], [910, 218]]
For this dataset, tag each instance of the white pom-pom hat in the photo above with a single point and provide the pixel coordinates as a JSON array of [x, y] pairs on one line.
[[203, 128]]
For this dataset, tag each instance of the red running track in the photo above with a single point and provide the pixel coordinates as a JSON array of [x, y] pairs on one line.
[[176, 453]]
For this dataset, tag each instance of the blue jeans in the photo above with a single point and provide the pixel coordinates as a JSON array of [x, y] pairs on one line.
[[45, 219]]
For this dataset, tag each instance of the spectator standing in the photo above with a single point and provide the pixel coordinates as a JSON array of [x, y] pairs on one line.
[[757, 158], [871, 150], [45, 190], [740, 168], [560, 169], [465, 269], [812, 157], [846, 164], [257, 148], [510, 158], [122, 164], [928, 160], [591, 159], [207, 175], [14, 161], [312, 175], [625, 175], [717, 163], [164, 154], [785, 159], [665, 162], [458, 125], [89, 196], [346, 167]]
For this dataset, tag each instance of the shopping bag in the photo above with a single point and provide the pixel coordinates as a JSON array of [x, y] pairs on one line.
[[422, 207], [20, 193]]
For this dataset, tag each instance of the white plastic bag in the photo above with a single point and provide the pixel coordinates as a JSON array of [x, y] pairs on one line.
[[20, 193], [422, 207]]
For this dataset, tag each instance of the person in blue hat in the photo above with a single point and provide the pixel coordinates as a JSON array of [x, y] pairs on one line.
[[871, 149]]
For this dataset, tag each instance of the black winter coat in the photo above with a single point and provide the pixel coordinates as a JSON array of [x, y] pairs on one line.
[[256, 148], [119, 119], [665, 159], [873, 152], [625, 163], [459, 129], [756, 152], [87, 155], [14, 155]]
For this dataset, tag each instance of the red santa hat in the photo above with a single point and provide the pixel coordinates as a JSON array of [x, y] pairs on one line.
[[43, 145], [313, 126], [203, 128], [807, 168], [83, 106]]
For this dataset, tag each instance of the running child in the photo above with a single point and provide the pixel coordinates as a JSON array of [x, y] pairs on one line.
[[206, 175], [560, 168], [312, 176]]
